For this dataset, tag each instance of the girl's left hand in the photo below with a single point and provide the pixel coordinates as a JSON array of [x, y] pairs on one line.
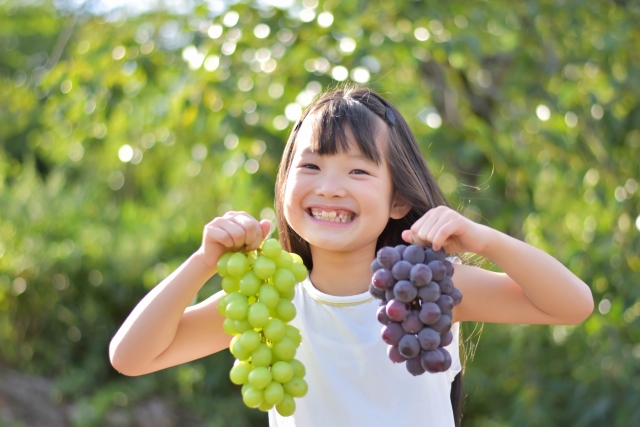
[[444, 227]]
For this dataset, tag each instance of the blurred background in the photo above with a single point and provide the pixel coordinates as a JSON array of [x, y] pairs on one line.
[[126, 126]]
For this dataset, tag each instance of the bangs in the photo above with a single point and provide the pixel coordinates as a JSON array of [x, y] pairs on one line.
[[328, 134]]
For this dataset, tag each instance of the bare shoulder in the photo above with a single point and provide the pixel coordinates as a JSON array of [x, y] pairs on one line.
[[494, 297]]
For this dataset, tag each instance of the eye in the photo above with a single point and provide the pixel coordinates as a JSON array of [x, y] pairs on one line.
[[360, 170], [309, 166]]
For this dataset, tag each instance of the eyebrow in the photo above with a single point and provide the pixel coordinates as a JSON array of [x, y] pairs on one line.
[[354, 156]]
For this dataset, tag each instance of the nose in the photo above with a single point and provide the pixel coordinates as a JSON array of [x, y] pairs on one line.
[[330, 186]]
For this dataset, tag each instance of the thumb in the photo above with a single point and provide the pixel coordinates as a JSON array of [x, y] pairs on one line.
[[265, 225], [406, 236]]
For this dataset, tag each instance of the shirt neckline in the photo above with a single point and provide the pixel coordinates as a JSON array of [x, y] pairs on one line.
[[335, 300]]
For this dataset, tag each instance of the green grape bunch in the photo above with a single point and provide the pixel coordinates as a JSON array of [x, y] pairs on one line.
[[260, 286]]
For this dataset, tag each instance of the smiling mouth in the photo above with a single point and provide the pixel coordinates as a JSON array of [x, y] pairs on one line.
[[331, 216]]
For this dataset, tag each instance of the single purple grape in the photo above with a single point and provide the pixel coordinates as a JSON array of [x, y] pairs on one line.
[[377, 293], [388, 294], [392, 333], [405, 291], [445, 302], [431, 255], [428, 338], [447, 358], [429, 313], [412, 324], [383, 279], [448, 265], [429, 293], [443, 324], [446, 339], [456, 296], [414, 366], [381, 315], [394, 354], [397, 310], [375, 265], [409, 346], [400, 249], [420, 275], [388, 256], [446, 285], [414, 254], [401, 270], [438, 269], [432, 360]]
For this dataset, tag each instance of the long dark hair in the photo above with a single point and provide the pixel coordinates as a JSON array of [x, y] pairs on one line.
[[362, 110]]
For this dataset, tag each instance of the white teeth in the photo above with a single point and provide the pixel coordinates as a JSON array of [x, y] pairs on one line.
[[331, 216]]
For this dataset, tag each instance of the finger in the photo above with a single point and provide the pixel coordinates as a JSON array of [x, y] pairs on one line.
[[250, 226], [436, 226], [422, 234], [265, 225], [235, 231], [217, 234], [443, 233], [406, 236]]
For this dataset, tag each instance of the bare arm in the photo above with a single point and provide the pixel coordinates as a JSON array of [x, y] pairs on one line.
[[162, 331], [535, 288], [143, 342]]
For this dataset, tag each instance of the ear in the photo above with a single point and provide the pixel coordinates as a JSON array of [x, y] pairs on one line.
[[399, 208]]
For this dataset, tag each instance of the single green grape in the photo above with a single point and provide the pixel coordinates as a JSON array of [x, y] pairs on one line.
[[250, 340], [230, 284], [298, 368], [240, 372], [237, 309], [293, 334], [274, 393], [250, 283], [265, 406], [241, 325], [239, 351], [297, 387], [221, 265], [244, 388], [269, 296], [284, 260], [287, 407], [228, 327], [251, 257], [271, 248], [261, 356], [264, 267], [274, 330], [237, 264], [284, 349], [285, 310], [260, 377], [252, 397], [299, 272], [297, 259], [258, 315], [222, 305], [289, 295], [283, 280], [282, 372]]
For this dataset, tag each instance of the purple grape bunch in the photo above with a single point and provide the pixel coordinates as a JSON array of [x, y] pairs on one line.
[[417, 297]]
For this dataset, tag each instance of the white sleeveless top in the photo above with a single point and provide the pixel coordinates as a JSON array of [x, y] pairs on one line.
[[351, 380]]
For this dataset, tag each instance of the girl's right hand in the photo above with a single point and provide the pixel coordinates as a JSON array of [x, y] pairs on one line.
[[234, 231]]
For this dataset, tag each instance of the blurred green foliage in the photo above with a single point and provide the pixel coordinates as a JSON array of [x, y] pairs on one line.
[[122, 136]]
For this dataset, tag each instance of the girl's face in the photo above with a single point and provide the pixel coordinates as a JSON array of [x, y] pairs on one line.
[[338, 202]]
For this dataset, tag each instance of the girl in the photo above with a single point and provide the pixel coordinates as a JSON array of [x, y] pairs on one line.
[[351, 181]]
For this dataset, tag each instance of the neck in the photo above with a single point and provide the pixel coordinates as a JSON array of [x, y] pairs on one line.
[[342, 273]]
